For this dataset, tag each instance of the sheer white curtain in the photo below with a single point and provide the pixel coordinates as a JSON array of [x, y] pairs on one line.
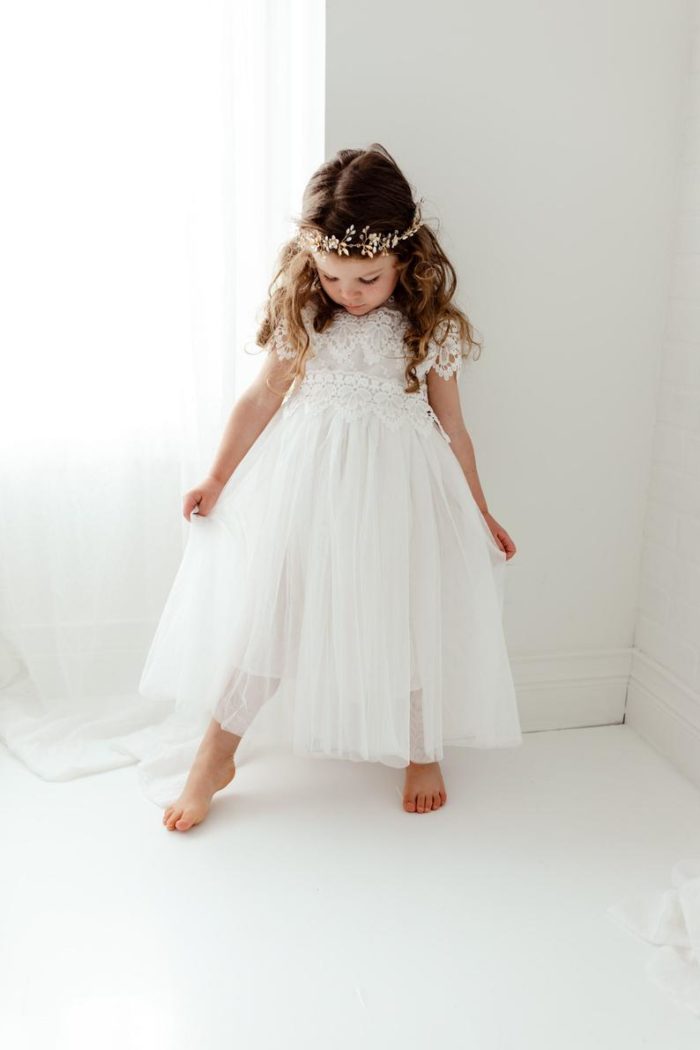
[[155, 154]]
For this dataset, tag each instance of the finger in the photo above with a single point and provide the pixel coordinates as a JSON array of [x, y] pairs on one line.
[[191, 506]]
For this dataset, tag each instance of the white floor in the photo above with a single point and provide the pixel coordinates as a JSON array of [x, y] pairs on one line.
[[311, 911]]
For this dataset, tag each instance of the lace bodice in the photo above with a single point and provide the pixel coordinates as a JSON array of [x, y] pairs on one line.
[[371, 343], [358, 366]]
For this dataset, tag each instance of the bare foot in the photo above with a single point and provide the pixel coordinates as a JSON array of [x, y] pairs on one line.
[[213, 768], [424, 788]]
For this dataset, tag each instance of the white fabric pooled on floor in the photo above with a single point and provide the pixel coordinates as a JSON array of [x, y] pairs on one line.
[[670, 920]]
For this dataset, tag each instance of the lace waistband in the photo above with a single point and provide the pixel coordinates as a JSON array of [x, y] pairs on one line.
[[354, 395]]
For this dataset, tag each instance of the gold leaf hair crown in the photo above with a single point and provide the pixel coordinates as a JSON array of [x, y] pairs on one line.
[[368, 243]]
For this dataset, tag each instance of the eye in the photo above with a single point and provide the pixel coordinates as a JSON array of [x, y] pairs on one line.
[[362, 280]]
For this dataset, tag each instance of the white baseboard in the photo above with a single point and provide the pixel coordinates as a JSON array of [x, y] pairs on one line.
[[571, 690], [666, 713]]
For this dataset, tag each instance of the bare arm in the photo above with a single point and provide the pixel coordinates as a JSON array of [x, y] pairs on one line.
[[443, 395], [250, 415]]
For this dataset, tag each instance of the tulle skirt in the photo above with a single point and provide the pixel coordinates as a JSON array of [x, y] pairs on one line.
[[347, 583]]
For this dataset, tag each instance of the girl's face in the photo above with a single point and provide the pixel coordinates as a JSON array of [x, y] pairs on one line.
[[360, 283]]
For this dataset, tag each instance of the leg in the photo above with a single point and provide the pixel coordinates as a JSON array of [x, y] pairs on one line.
[[424, 788], [213, 767], [241, 700]]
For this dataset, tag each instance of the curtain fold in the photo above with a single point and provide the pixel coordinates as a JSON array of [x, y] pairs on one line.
[[159, 153]]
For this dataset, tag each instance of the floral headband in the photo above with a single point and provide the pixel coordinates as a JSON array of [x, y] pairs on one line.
[[368, 243]]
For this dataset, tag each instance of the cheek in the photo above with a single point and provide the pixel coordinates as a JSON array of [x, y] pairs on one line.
[[382, 284]]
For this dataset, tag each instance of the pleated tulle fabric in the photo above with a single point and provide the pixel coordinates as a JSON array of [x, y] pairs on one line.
[[346, 584]]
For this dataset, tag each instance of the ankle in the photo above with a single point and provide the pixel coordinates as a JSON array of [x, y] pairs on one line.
[[221, 751], [219, 742]]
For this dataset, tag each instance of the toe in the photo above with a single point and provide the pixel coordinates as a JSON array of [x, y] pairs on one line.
[[437, 802], [421, 803], [409, 804], [183, 824]]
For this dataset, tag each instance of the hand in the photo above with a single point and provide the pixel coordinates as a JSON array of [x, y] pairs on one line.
[[203, 497], [501, 536]]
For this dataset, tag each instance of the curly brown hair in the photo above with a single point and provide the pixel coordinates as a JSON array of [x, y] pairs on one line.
[[365, 187]]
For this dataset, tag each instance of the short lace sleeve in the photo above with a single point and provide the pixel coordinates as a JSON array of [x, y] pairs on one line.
[[279, 343], [446, 360]]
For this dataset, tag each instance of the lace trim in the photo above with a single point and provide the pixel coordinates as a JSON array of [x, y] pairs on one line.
[[355, 395], [280, 341], [447, 359]]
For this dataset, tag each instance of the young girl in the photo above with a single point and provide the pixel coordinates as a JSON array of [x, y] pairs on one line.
[[342, 557]]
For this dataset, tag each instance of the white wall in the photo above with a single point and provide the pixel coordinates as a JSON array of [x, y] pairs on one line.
[[664, 696], [545, 138]]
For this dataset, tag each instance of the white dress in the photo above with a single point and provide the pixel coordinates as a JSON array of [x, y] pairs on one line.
[[345, 579]]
